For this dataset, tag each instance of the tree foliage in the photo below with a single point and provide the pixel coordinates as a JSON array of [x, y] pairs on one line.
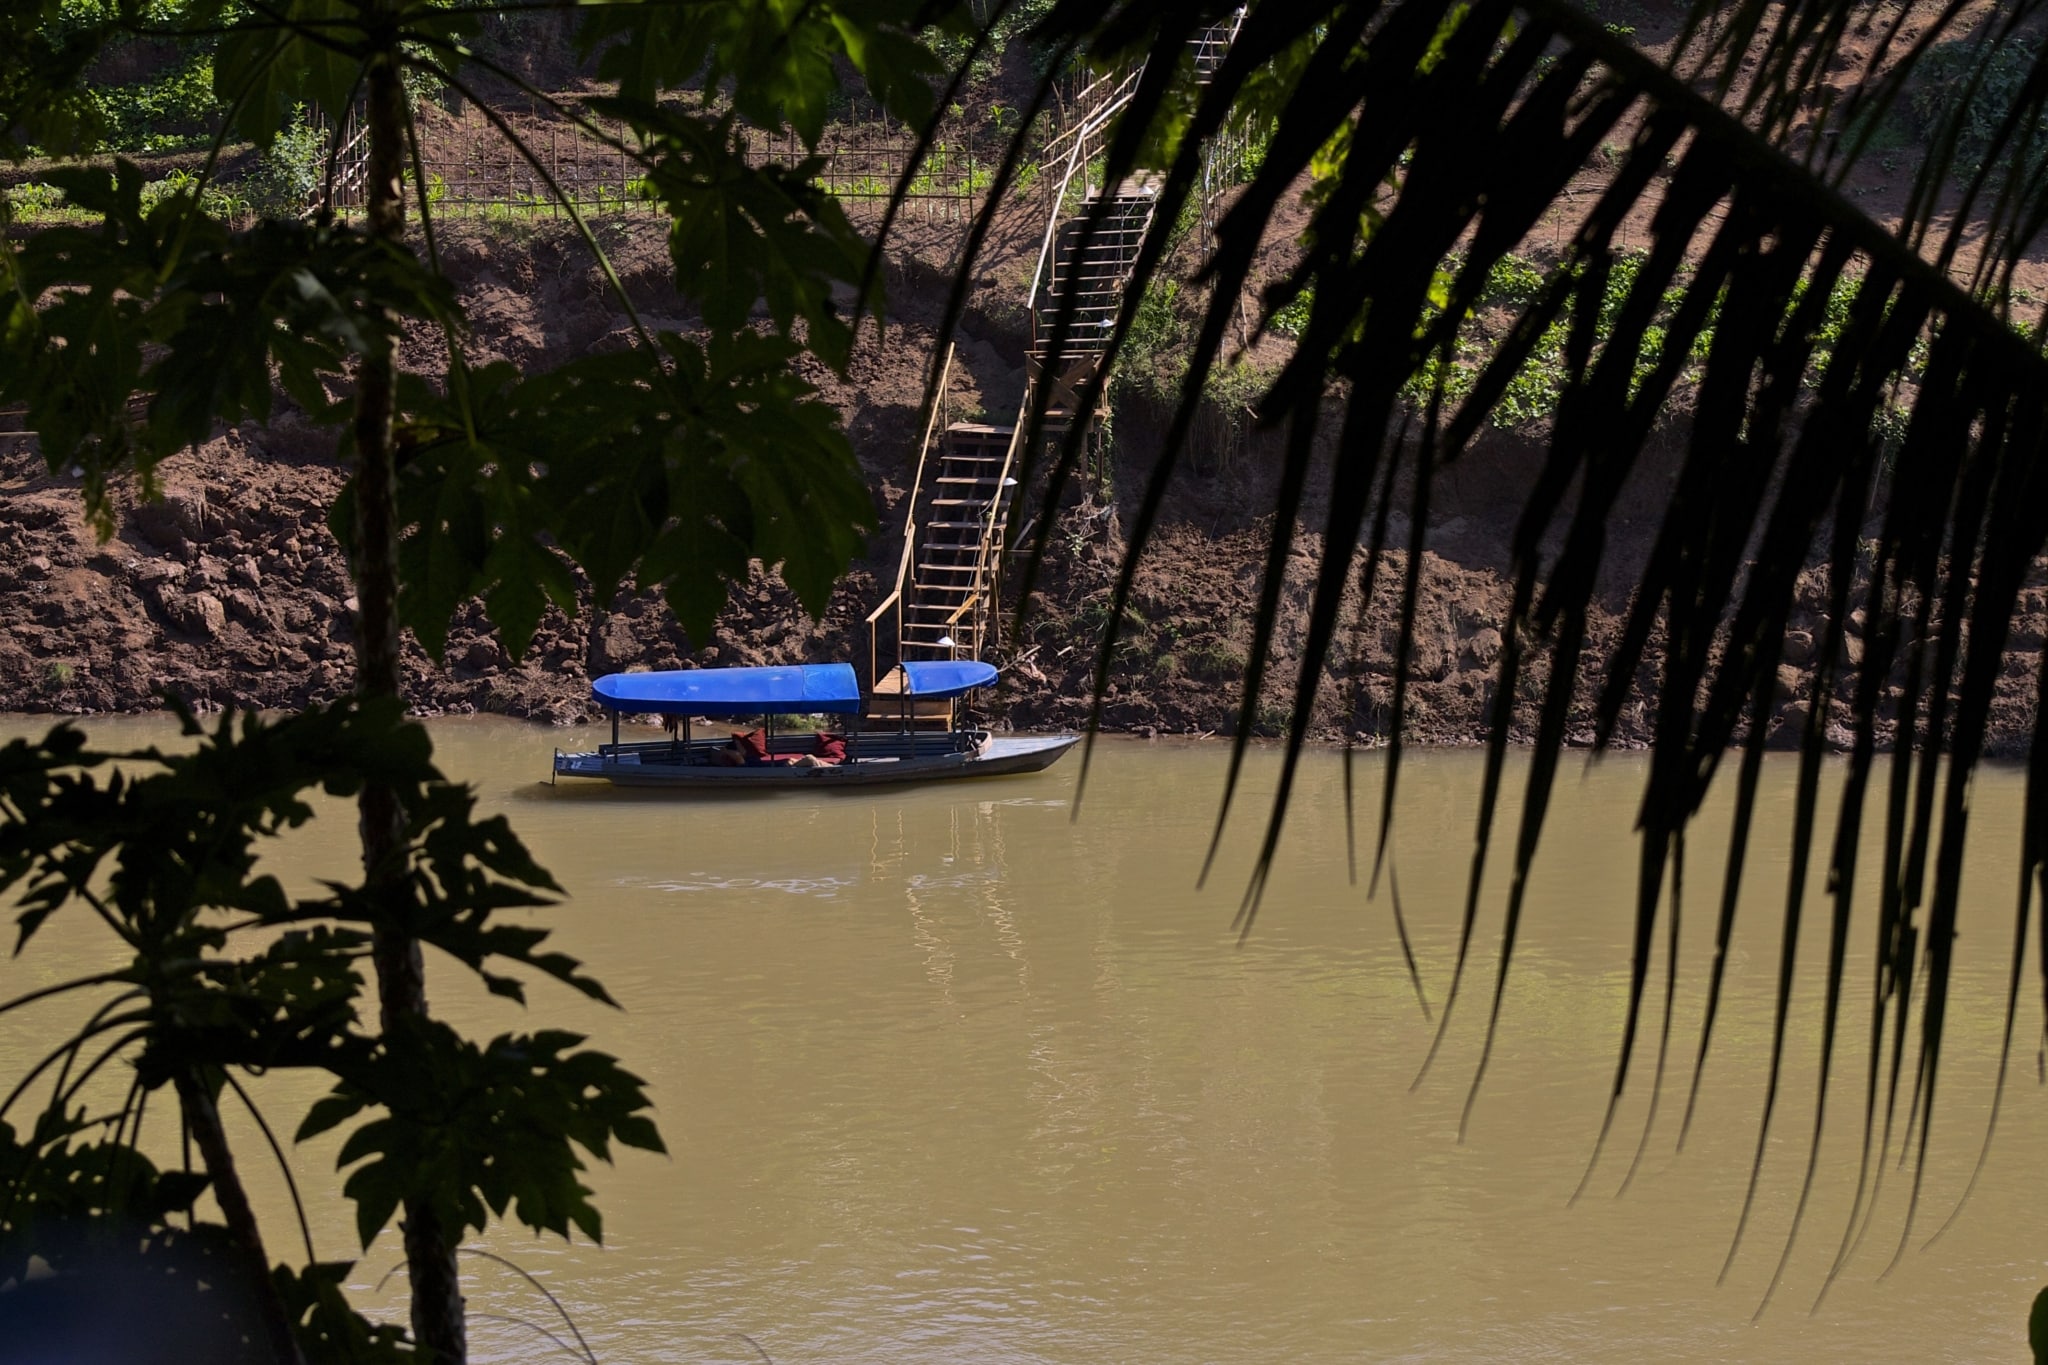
[[226, 977], [674, 463]]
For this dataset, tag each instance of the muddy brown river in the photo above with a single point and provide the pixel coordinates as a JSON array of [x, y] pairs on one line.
[[950, 1075]]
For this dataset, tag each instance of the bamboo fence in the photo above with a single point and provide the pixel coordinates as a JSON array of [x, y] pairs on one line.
[[476, 171]]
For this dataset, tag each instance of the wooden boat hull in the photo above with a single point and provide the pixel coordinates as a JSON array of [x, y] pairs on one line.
[[1002, 756]]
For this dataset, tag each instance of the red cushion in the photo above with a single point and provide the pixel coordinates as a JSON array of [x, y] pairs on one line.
[[831, 748], [755, 745]]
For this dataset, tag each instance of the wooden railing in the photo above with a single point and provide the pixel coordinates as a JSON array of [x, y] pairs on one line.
[[1212, 44], [473, 170], [935, 422], [970, 629], [1099, 104], [1084, 139], [976, 614]]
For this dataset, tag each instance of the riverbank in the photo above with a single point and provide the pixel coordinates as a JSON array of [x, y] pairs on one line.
[[232, 591]]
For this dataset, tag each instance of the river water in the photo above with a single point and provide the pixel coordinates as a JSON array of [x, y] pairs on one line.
[[949, 1074]]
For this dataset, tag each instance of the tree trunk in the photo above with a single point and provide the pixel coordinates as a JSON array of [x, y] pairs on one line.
[[202, 1120], [437, 1316]]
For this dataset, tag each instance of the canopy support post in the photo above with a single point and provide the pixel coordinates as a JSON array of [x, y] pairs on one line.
[[615, 727]]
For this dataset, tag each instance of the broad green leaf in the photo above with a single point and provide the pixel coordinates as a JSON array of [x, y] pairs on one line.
[[777, 58], [496, 1128], [271, 72], [743, 235]]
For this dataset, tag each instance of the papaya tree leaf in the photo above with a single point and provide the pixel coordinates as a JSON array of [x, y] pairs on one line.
[[743, 235]]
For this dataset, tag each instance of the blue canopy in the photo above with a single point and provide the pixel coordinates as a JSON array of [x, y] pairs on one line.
[[946, 677], [722, 692]]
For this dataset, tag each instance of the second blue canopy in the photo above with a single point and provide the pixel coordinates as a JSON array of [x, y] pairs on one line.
[[722, 692], [946, 677]]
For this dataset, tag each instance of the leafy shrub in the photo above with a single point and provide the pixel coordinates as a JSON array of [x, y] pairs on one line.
[[1015, 22], [1249, 156], [33, 201], [1942, 90], [1513, 280], [170, 111], [1291, 318], [215, 199], [1154, 332], [289, 175]]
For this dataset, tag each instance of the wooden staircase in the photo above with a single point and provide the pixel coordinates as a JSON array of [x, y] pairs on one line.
[[945, 603], [1091, 271], [969, 503], [1210, 45]]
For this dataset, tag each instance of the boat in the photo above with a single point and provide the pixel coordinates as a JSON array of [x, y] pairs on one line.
[[915, 728]]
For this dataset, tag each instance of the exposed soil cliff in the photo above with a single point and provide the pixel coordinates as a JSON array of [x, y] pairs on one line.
[[231, 590]]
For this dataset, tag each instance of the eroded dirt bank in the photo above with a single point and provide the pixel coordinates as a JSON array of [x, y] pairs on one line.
[[231, 591]]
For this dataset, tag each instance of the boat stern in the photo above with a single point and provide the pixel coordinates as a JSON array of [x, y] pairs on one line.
[[582, 765]]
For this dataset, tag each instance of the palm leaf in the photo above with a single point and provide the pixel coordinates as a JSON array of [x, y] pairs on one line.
[[1438, 134]]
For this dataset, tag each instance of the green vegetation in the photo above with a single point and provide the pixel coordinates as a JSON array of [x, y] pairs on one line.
[[171, 107], [946, 169], [1513, 284], [1290, 319], [1976, 84], [43, 204], [1013, 24], [286, 181], [1213, 659], [165, 113]]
